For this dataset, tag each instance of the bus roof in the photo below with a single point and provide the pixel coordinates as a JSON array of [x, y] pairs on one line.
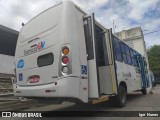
[[43, 12], [75, 6]]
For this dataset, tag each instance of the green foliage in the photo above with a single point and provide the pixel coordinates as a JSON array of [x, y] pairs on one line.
[[154, 58]]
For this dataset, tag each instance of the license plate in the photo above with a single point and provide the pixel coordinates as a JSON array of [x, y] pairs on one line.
[[34, 79]]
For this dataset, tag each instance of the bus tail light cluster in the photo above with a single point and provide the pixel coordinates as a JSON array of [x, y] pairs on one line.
[[65, 64], [65, 60]]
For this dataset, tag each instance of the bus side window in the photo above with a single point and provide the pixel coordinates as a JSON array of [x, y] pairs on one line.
[[101, 47], [135, 63], [133, 58], [106, 59], [129, 61], [117, 49], [88, 38], [123, 50]]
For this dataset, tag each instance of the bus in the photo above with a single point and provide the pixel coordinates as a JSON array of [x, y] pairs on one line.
[[64, 54]]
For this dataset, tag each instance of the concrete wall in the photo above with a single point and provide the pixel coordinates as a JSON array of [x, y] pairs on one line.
[[7, 64], [8, 40]]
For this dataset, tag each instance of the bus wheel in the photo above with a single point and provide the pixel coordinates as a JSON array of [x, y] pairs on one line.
[[144, 91], [121, 98]]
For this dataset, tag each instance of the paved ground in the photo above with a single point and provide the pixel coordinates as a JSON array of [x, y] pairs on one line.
[[136, 102]]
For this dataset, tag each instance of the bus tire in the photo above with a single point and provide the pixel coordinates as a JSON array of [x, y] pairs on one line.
[[144, 91], [121, 98]]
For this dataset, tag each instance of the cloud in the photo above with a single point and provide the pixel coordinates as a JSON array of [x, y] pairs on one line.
[[125, 13], [138, 9], [152, 39], [17, 11], [89, 5]]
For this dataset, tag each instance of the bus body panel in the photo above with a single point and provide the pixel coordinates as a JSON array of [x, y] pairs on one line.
[[90, 39], [84, 88], [52, 38], [108, 87], [62, 89], [47, 74], [127, 74]]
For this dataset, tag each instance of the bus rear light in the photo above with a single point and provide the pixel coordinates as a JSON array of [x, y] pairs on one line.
[[65, 70], [65, 50], [65, 60]]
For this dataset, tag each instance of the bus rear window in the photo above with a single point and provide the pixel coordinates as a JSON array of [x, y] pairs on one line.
[[45, 60]]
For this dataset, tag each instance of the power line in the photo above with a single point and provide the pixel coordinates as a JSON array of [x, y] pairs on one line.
[[154, 57], [151, 32], [145, 34]]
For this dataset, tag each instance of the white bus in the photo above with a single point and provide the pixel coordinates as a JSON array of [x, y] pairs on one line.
[[64, 54]]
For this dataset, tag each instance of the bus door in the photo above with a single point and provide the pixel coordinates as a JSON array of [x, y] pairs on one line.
[[89, 30], [107, 78], [142, 69]]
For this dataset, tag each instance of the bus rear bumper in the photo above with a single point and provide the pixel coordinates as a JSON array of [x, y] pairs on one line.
[[64, 88]]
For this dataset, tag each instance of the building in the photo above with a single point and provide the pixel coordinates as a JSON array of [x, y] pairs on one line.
[[8, 41], [135, 39]]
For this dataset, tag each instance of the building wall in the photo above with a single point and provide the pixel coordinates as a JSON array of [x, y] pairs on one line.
[[8, 40], [7, 64]]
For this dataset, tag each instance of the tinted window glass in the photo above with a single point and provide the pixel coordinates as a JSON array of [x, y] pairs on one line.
[[45, 60], [131, 51], [125, 58], [105, 51], [134, 62], [127, 50], [117, 49], [102, 49], [88, 38], [129, 59], [122, 47]]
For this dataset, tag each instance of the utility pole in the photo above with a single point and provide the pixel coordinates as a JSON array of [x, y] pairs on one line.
[[126, 2], [113, 26]]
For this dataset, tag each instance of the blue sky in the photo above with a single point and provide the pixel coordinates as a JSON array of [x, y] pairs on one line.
[[125, 14]]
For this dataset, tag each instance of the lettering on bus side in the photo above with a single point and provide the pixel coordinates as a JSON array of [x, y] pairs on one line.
[[35, 48], [126, 74]]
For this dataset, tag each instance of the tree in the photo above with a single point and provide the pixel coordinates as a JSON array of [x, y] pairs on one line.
[[154, 58]]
